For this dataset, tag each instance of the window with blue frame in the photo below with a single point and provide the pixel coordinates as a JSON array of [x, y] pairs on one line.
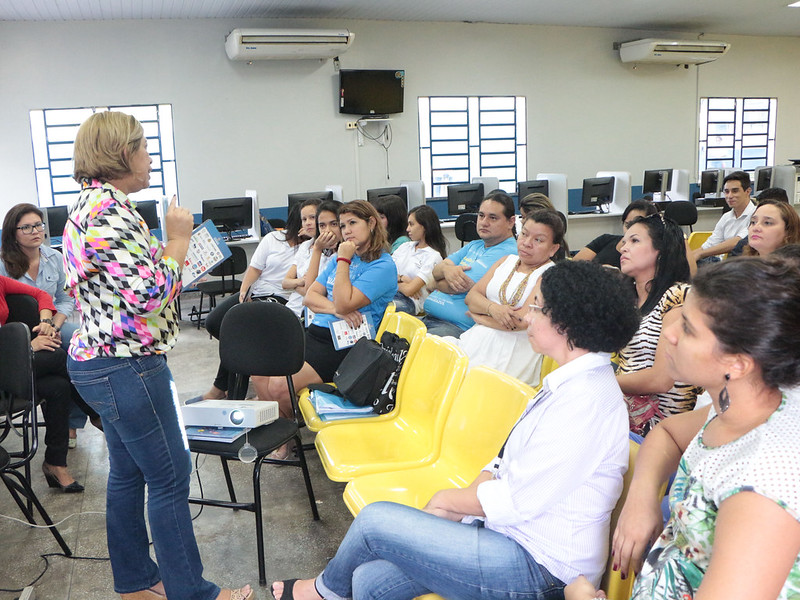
[[53, 132], [461, 137]]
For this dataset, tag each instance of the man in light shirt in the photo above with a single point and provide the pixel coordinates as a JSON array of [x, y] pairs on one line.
[[732, 226]]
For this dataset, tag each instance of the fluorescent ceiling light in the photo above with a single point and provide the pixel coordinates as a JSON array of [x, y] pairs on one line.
[[794, 5]]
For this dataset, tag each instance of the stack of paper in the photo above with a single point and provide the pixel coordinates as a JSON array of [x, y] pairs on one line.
[[214, 434], [330, 407]]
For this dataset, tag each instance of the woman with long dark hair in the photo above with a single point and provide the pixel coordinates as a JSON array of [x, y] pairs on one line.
[[359, 283], [416, 259], [653, 255], [393, 214], [733, 530]]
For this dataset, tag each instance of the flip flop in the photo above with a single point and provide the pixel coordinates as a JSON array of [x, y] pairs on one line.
[[288, 586]]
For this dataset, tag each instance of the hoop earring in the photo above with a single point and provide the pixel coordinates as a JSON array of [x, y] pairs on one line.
[[724, 398]]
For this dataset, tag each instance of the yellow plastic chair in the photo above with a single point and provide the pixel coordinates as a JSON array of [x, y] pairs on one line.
[[698, 238], [412, 436], [483, 413], [615, 587], [548, 366], [400, 323], [391, 309]]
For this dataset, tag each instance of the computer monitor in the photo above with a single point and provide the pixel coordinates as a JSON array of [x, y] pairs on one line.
[[301, 197], [56, 220], [148, 210], [389, 191], [540, 186], [598, 193], [230, 215], [464, 198], [657, 182], [711, 183], [763, 179]]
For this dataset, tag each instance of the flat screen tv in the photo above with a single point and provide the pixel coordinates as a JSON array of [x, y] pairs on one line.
[[299, 198], [657, 181], [464, 198], [371, 92], [598, 192], [56, 220], [148, 210], [711, 183], [389, 191], [526, 188], [230, 214]]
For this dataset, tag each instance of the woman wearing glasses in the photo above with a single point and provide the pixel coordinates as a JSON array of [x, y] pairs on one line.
[[26, 261], [26, 258], [653, 255], [537, 515]]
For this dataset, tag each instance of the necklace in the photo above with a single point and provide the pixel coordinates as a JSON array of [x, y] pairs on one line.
[[517, 295]]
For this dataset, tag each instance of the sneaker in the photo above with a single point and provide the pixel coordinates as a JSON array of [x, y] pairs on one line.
[[73, 443]]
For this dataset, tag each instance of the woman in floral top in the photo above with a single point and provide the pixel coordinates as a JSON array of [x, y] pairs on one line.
[[125, 284], [734, 527]]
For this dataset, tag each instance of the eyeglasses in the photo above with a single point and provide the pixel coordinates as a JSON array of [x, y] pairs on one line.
[[536, 308], [29, 229]]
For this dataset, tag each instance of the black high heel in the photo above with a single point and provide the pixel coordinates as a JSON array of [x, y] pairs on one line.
[[53, 482]]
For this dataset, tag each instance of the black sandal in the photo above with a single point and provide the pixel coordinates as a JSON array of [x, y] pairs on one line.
[[288, 586]]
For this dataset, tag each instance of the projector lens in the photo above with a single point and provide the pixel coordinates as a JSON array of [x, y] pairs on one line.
[[237, 417]]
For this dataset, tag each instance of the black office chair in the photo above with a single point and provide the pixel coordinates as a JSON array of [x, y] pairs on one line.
[[682, 212], [227, 270], [260, 338], [18, 403], [466, 227]]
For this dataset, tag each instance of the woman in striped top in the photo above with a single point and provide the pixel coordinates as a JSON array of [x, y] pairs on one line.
[[653, 255]]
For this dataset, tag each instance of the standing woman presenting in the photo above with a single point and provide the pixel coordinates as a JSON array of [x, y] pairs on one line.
[[125, 284]]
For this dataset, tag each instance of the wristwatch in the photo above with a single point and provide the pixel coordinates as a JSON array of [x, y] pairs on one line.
[[49, 321]]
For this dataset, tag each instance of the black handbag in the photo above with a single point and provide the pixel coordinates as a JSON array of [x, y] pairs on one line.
[[398, 348], [363, 372]]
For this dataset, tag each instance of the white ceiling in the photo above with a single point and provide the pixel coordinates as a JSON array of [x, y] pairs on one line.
[[745, 17]]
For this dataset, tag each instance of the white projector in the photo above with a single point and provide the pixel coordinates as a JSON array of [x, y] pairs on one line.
[[229, 413]]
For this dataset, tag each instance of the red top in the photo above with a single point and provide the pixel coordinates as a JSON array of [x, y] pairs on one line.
[[12, 286]]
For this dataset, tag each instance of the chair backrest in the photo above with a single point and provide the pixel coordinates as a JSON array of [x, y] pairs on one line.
[[391, 308], [261, 338], [615, 587], [466, 227], [235, 264], [408, 327], [682, 212], [483, 412], [698, 238], [23, 308], [432, 380], [16, 366]]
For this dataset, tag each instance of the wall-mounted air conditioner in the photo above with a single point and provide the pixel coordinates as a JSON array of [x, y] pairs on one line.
[[674, 52], [279, 44]]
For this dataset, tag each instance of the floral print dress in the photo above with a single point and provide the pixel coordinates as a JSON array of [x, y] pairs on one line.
[[766, 460]]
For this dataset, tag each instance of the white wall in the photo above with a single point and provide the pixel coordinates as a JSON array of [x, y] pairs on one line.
[[274, 126]]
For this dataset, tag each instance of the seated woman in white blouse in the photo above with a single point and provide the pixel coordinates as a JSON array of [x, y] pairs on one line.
[[415, 259], [537, 515]]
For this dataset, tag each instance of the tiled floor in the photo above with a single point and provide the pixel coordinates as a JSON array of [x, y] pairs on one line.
[[295, 544]]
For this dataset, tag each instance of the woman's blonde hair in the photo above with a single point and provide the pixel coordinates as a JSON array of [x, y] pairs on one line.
[[378, 241], [104, 144]]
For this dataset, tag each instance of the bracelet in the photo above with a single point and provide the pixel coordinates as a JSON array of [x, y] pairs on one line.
[[49, 321], [343, 259], [489, 308]]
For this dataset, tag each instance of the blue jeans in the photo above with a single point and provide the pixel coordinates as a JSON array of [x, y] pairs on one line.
[[395, 552], [138, 404], [441, 327], [77, 418], [404, 304]]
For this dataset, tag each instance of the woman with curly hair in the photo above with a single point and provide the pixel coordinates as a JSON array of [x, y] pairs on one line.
[[653, 255], [734, 526], [537, 514]]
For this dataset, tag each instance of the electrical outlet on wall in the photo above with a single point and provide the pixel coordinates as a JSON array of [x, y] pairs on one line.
[[352, 125]]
